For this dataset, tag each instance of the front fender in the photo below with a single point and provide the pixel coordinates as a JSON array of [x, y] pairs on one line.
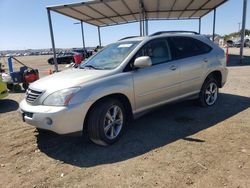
[[116, 84]]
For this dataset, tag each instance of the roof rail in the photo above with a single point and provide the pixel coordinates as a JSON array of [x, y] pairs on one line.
[[128, 38], [163, 32]]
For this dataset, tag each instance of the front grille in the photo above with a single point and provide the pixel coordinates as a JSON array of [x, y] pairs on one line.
[[32, 95]]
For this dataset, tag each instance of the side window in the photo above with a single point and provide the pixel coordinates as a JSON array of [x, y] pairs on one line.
[[204, 48], [186, 47], [158, 50]]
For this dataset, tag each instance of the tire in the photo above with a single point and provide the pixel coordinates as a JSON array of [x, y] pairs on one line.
[[17, 88], [25, 86], [10, 87], [101, 116], [209, 92], [51, 62]]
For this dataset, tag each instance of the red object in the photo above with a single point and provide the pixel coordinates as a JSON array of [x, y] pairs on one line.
[[78, 58], [31, 76], [227, 55]]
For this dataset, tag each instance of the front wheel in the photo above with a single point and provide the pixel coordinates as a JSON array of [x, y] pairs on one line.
[[106, 122], [209, 92]]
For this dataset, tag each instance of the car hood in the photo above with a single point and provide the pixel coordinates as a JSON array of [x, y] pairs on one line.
[[68, 78]]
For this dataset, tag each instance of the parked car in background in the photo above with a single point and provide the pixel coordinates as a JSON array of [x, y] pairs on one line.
[[63, 58], [247, 43], [85, 53], [124, 80], [238, 43], [230, 43]]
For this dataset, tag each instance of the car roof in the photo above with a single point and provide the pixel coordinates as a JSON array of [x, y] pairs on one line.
[[160, 35]]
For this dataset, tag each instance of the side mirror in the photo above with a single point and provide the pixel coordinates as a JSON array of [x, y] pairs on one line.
[[143, 62]]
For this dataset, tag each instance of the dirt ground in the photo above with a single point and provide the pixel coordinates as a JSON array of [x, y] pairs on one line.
[[178, 145]]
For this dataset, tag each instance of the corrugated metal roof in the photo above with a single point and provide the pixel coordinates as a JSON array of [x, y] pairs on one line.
[[114, 12]]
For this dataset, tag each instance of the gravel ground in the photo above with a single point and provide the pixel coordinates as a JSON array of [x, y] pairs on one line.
[[178, 145]]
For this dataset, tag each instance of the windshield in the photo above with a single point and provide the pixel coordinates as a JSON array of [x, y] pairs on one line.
[[111, 56]]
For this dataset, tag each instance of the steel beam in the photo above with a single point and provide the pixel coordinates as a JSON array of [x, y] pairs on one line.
[[83, 38], [143, 27], [214, 24], [52, 40], [141, 19], [244, 17], [99, 35], [199, 25]]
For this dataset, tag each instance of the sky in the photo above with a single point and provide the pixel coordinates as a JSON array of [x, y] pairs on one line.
[[24, 25]]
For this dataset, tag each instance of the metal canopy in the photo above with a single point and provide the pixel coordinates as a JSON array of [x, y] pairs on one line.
[[113, 12]]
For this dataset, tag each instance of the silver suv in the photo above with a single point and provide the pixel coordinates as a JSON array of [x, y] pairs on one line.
[[124, 80]]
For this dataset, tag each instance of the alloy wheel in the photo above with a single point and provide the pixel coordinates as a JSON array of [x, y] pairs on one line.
[[113, 122], [211, 94]]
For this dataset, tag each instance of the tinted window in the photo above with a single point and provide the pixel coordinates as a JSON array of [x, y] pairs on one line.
[[158, 50], [183, 47]]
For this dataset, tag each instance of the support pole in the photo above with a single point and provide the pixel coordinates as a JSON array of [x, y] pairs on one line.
[[99, 35], [146, 27], [140, 27], [214, 24], [143, 27], [145, 23], [142, 18], [83, 39], [52, 40], [199, 25], [140, 22], [244, 16]]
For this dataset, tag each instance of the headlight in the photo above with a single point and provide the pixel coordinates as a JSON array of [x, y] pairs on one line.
[[61, 98]]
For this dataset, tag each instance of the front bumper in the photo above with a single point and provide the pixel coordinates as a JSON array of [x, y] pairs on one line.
[[61, 120]]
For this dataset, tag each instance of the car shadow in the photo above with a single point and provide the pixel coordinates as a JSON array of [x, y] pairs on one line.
[[234, 60], [156, 129], [8, 105]]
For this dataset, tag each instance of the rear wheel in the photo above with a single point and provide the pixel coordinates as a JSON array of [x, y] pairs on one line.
[[209, 92], [106, 122]]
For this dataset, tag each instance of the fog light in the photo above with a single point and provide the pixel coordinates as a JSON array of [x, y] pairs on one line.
[[49, 121]]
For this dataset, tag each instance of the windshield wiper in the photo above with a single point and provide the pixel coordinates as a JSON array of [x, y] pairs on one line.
[[90, 66]]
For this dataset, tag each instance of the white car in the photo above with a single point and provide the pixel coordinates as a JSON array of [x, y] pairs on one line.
[[124, 80]]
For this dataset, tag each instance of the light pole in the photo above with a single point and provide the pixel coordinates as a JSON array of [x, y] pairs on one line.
[[244, 17], [239, 28]]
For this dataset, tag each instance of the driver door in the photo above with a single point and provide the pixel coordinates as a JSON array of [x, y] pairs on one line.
[[160, 82]]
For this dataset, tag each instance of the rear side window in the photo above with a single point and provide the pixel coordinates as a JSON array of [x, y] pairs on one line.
[[183, 47]]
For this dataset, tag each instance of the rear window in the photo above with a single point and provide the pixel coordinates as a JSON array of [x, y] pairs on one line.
[[183, 47]]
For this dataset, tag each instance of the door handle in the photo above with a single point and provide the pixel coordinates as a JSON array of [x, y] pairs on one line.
[[173, 68]]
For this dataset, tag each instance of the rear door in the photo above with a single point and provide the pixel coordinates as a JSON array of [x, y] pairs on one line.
[[192, 57]]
